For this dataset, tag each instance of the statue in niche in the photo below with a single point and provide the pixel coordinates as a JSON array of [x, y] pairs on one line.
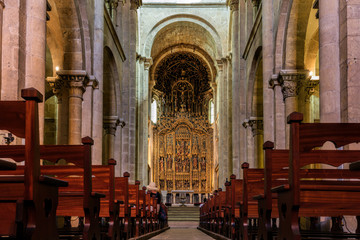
[[169, 161], [186, 184], [162, 184], [203, 184], [203, 164], [161, 164], [169, 184], [195, 162]]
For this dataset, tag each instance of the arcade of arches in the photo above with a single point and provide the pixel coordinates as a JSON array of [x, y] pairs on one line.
[[181, 92]]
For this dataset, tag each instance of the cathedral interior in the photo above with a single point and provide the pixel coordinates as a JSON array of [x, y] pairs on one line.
[[181, 92]]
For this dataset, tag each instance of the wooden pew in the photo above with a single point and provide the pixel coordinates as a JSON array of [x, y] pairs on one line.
[[143, 212], [104, 183], [134, 206], [236, 197], [28, 201], [275, 174], [326, 195], [122, 195], [79, 199]]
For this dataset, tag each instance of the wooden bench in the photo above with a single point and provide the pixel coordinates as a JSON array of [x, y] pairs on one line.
[[28, 201], [122, 195], [236, 198], [134, 206], [318, 192]]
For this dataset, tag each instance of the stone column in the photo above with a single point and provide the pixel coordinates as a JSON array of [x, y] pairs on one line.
[[279, 113], [268, 65], [257, 129], [2, 6], [98, 70], [329, 60], [250, 145], [289, 81], [238, 93], [143, 121], [110, 125], [307, 89], [223, 122], [34, 51], [60, 89], [87, 114], [77, 81]]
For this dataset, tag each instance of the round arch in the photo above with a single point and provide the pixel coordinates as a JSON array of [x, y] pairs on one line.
[[182, 18]]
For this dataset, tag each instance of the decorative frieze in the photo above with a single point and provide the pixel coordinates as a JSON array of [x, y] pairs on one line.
[[289, 81]]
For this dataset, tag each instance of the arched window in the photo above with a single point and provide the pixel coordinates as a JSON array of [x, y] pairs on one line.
[[154, 112], [211, 112]]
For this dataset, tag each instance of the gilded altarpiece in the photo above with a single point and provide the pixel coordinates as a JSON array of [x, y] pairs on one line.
[[183, 135], [184, 156]]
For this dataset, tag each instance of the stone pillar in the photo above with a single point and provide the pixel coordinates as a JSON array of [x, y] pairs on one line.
[[143, 120], [268, 65], [289, 81], [97, 66], [2, 6], [279, 113], [257, 129], [77, 81], [307, 89], [60, 89], [349, 58], [329, 60], [223, 122], [34, 51], [238, 93], [110, 125], [88, 103], [250, 145]]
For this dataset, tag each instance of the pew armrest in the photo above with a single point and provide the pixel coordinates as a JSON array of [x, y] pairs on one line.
[[259, 197], [52, 181], [97, 195], [281, 188], [355, 166], [7, 165]]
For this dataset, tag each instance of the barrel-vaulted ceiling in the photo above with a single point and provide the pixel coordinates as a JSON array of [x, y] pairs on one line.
[[183, 50], [182, 65], [183, 32]]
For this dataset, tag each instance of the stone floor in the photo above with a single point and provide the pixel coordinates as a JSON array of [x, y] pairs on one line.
[[182, 234], [182, 230]]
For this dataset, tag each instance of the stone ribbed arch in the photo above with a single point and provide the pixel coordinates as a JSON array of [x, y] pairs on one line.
[[75, 33], [205, 58], [111, 84], [296, 34], [161, 25], [251, 92]]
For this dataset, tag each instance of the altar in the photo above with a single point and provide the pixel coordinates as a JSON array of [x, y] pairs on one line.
[[182, 196]]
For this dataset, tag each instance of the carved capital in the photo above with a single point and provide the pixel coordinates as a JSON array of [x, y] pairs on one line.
[[255, 3], [110, 124], [147, 63], [257, 126], [246, 123], [2, 4], [58, 85], [74, 79], [135, 4], [289, 80], [234, 5], [308, 88], [274, 81], [93, 82]]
